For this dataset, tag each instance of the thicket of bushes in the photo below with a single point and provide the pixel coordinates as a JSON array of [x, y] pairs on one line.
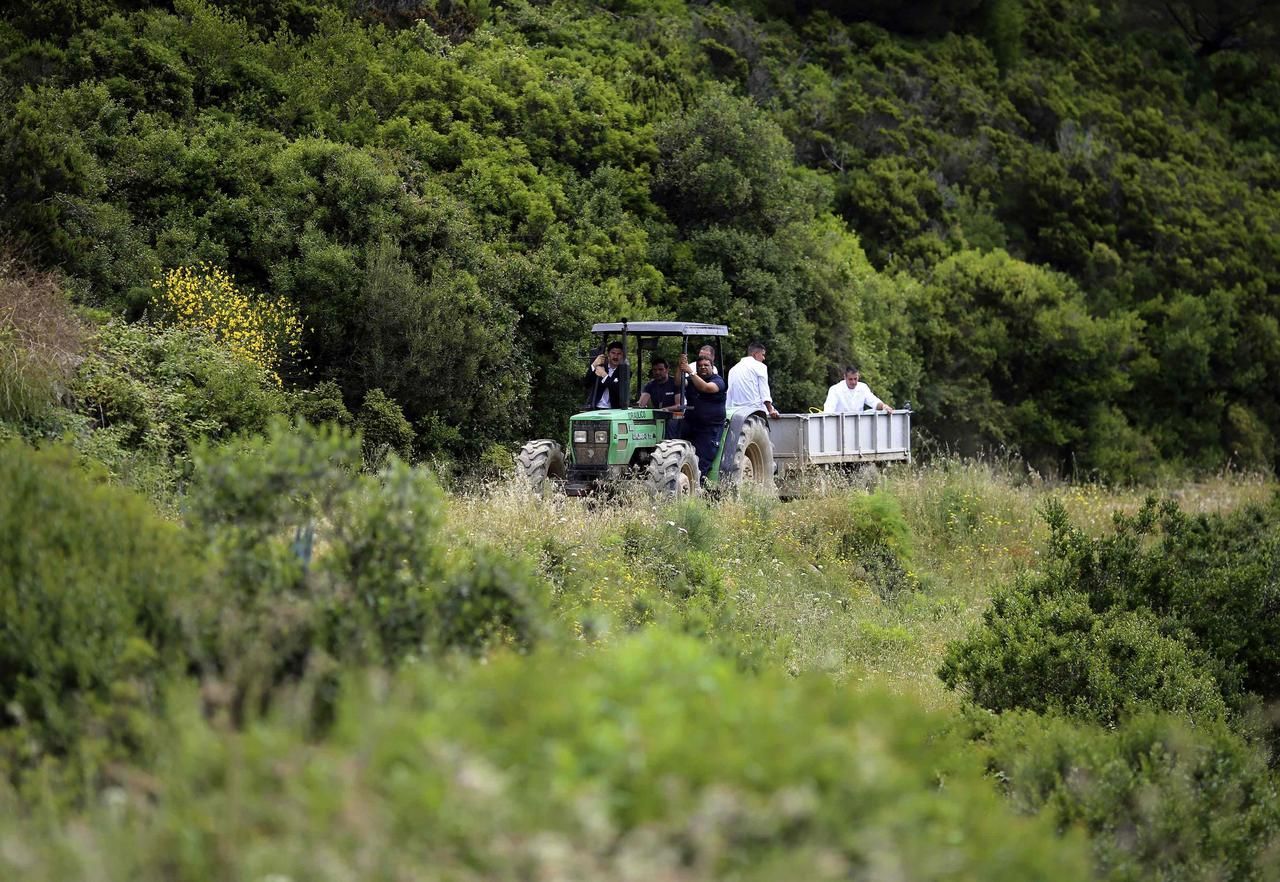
[[1170, 612], [1164, 633], [652, 758], [1048, 224], [87, 575], [1158, 797], [291, 559]]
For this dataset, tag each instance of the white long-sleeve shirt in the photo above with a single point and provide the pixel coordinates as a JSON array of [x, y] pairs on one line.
[[748, 384], [842, 399]]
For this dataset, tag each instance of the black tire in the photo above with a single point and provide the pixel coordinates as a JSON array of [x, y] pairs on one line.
[[673, 469], [754, 455], [543, 465]]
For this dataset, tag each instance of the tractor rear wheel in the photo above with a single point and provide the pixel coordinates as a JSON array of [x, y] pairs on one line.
[[673, 469], [754, 455], [542, 463]]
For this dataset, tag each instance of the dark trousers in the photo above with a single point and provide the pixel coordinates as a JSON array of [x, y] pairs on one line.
[[705, 438]]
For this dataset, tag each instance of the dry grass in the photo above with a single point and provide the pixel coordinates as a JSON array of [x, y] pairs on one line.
[[40, 340]]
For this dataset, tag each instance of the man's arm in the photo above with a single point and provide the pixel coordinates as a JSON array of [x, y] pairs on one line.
[[645, 399], [765, 395], [831, 405], [702, 385], [595, 371], [878, 405]]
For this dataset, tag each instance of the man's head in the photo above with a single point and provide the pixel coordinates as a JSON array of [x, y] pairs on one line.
[[615, 353], [756, 350], [851, 376], [659, 369], [709, 351], [705, 366]]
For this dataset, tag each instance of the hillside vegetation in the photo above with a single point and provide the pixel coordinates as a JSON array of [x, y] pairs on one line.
[[1050, 225], [283, 284]]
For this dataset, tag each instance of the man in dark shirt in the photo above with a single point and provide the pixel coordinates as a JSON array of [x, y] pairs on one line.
[[704, 419], [660, 392], [607, 379]]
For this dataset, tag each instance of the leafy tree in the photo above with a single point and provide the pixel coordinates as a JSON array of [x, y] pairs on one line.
[[1010, 355]]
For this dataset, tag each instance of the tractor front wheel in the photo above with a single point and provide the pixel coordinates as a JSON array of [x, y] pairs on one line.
[[542, 463], [673, 469]]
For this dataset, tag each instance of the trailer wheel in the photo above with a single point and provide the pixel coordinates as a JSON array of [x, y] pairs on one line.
[[673, 469], [542, 463], [754, 455]]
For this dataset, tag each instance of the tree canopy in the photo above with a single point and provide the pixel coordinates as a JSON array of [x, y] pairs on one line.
[[1053, 225]]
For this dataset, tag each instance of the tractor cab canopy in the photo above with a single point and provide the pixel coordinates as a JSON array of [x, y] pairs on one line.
[[641, 339], [661, 329]]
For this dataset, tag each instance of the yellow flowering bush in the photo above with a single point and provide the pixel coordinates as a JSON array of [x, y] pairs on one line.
[[265, 331]]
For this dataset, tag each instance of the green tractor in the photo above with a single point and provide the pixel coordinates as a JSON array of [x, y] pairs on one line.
[[609, 446]]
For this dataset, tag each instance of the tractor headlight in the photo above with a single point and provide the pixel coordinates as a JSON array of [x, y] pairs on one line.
[[602, 437], [580, 436]]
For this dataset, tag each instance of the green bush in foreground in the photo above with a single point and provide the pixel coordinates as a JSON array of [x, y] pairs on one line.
[[87, 576], [318, 561], [1158, 798], [1171, 613], [651, 759], [1053, 653]]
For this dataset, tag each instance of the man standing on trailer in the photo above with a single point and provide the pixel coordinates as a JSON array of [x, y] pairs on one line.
[[749, 382], [710, 352], [852, 396]]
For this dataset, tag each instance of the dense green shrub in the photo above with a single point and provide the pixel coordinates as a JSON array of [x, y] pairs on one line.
[[319, 560], [383, 429], [653, 758], [1172, 612], [322, 404], [1158, 798], [158, 391], [1026, 328], [89, 577], [1052, 652]]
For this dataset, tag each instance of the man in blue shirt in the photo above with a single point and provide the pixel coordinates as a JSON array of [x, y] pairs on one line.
[[704, 418], [661, 392]]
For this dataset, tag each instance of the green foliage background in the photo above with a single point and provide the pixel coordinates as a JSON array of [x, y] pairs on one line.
[[1050, 224]]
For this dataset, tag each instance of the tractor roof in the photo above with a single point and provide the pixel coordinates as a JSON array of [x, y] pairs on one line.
[[658, 329]]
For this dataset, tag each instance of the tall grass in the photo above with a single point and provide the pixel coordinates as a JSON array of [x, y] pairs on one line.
[[796, 590], [40, 341]]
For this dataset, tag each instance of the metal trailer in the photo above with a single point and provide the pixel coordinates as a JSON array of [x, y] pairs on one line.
[[802, 440]]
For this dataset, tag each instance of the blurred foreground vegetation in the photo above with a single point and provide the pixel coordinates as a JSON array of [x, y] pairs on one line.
[[320, 670]]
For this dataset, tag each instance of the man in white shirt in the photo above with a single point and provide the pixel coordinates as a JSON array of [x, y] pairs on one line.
[[749, 382], [852, 396], [710, 352]]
